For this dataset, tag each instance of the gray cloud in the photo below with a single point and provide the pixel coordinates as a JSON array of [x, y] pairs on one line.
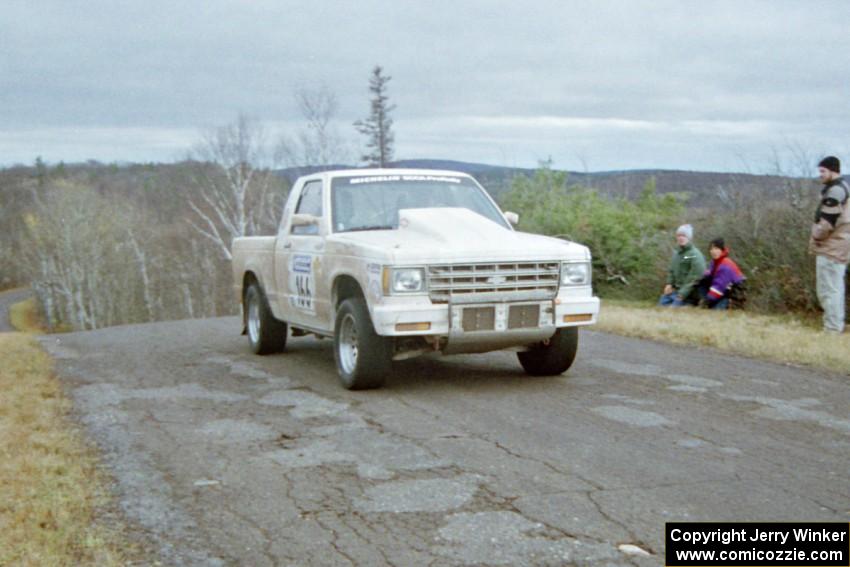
[[625, 84]]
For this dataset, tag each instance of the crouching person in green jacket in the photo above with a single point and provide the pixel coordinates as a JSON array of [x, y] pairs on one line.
[[686, 269]]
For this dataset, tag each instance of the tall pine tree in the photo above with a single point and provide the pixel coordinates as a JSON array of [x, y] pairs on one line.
[[378, 126]]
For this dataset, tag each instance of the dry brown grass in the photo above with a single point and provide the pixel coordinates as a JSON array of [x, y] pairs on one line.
[[24, 316], [774, 338], [50, 488]]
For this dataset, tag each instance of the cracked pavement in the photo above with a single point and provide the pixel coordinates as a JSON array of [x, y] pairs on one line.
[[220, 457]]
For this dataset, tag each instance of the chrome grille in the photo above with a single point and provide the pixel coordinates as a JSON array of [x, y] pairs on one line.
[[473, 282]]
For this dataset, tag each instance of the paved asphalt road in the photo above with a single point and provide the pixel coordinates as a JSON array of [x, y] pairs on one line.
[[224, 458]]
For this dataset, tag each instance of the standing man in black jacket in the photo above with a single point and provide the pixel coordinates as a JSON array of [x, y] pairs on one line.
[[830, 243]]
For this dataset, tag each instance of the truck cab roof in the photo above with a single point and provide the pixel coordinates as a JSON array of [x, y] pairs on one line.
[[377, 171]]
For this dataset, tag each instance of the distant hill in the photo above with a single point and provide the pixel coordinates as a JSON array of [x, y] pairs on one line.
[[702, 187]]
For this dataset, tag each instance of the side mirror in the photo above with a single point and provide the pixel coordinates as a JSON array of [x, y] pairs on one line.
[[512, 218], [304, 220]]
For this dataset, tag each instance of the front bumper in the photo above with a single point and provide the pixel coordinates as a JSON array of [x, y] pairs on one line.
[[446, 319]]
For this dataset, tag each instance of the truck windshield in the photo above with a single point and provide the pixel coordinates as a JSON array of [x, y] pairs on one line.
[[373, 202]]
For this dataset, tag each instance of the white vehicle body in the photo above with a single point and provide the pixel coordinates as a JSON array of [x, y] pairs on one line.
[[484, 286]]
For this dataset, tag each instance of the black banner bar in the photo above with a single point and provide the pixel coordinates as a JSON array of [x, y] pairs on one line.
[[757, 544]]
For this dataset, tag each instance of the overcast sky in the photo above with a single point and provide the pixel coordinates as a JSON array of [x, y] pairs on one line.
[[595, 85]]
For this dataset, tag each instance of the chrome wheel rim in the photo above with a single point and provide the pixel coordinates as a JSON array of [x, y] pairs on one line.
[[348, 344], [254, 319]]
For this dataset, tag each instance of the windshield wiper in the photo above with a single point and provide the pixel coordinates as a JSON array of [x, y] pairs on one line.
[[374, 227]]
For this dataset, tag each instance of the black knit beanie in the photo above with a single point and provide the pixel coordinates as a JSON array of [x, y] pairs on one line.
[[831, 163]]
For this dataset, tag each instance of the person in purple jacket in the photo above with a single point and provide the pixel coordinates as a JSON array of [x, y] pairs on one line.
[[722, 274]]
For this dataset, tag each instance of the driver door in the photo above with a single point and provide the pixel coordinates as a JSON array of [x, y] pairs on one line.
[[299, 257]]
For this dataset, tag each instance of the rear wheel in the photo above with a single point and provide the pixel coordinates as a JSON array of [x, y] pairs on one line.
[[363, 358], [265, 333], [553, 356]]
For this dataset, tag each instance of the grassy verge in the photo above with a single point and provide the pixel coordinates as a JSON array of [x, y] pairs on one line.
[[24, 316], [781, 339], [50, 488]]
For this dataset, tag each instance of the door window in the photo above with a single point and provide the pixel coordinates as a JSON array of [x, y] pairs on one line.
[[310, 203]]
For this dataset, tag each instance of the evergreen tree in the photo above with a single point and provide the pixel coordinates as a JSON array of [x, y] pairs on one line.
[[40, 171], [378, 126]]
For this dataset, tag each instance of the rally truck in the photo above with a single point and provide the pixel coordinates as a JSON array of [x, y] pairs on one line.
[[396, 263]]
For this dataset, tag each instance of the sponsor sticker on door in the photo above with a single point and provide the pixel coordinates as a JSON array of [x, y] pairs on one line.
[[302, 283]]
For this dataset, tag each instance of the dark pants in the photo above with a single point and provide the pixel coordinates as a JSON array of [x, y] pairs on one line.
[[710, 302]]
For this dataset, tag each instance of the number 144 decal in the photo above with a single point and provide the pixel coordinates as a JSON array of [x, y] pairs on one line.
[[301, 283]]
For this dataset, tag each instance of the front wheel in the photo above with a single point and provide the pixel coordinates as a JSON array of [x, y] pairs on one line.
[[553, 356], [363, 358], [265, 333]]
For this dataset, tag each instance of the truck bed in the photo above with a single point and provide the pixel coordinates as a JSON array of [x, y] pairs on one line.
[[253, 254]]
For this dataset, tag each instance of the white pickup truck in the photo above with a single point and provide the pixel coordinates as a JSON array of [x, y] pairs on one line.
[[396, 263]]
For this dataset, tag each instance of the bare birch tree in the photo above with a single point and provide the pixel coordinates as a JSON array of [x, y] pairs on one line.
[[77, 260], [234, 184], [317, 141], [320, 142], [153, 304]]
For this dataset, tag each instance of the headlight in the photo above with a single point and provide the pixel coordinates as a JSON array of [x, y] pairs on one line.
[[575, 273], [408, 280]]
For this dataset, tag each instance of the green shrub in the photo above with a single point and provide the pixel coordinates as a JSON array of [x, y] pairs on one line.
[[767, 233], [630, 240]]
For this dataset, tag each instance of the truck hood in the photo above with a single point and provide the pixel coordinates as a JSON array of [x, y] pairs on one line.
[[445, 235]]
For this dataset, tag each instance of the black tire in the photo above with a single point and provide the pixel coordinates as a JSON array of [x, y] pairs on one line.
[[363, 358], [551, 357], [266, 334]]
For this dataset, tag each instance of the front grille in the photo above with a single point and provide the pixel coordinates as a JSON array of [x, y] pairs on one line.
[[471, 282], [479, 319]]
